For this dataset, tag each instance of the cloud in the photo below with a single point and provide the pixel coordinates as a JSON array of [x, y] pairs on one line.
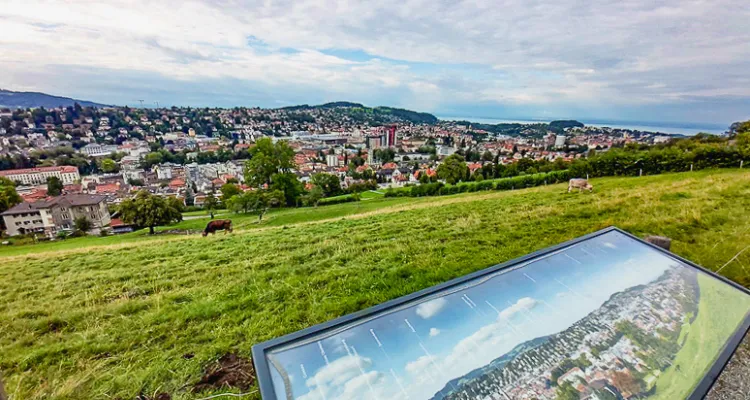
[[339, 371], [609, 245], [523, 304], [431, 308], [419, 365], [611, 58], [346, 378], [434, 332]]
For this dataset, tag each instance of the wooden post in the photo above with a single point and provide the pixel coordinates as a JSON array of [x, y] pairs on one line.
[[640, 172], [661, 241], [3, 396], [741, 162], [691, 167]]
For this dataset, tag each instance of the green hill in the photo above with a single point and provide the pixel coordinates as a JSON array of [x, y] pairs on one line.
[[115, 317]]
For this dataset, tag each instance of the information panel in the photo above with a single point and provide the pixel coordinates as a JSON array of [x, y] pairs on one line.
[[606, 316]]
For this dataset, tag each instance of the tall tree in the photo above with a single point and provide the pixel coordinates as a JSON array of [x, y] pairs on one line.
[[453, 169], [54, 186], [268, 159], [288, 184], [258, 201], [328, 183], [228, 190], [82, 224], [211, 203], [148, 210], [8, 195], [108, 165]]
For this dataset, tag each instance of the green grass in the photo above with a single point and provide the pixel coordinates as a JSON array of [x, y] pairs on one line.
[[111, 317], [719, 313]]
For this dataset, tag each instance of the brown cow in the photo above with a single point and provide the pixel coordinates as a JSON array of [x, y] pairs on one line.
[[218, 225], [580, 184]]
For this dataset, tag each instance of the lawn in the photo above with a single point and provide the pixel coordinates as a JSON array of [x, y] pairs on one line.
[[719, 315], [113, 317]]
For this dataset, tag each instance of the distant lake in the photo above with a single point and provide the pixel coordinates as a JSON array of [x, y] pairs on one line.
[[663, 127]]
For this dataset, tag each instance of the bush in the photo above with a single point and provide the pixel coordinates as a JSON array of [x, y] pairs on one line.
[[338, 200]]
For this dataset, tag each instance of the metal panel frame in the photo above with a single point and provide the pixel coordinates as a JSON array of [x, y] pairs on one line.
[[263, 372]]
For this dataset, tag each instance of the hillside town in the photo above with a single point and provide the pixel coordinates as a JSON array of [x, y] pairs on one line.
[[112, 153], [616, 352]]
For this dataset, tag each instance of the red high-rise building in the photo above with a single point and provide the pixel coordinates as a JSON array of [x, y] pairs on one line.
[[392, 136]]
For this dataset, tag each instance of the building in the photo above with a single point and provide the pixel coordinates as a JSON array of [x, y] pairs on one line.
[[28, 218], [57, 214], [98, 150], [560, 141], [332, 160], [374, 142], [38, 176]]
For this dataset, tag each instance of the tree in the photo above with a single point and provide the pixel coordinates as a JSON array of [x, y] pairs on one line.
[[82, 224], [566, 391], [108, 165], [228, 190], [152, 159], [288, 184], [328, 183], [268, 159], [453, 169], [148, 210], [211, 203], [54, 186], [8, 195], [256, 201], [312, 198]]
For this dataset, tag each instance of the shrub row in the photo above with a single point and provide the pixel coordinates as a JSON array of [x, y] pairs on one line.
[[516, 182], [338, 200]]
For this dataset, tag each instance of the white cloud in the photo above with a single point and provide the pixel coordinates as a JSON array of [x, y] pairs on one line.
[[431, 308], [523, 304], [434, 332], [609, 244], [557, 52], [339, 371], [419, 365]]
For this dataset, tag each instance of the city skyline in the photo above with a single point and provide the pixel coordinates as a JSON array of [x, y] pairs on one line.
[[612, 61], [414, 352]]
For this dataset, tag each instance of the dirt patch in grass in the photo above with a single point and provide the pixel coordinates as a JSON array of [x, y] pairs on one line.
[[230, 371]]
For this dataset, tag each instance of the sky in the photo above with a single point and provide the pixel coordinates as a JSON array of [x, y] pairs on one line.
[[660, 60], [414, 352]]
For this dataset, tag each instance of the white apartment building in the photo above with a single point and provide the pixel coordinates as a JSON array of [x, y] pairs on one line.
[[50, 216], [38, 176]]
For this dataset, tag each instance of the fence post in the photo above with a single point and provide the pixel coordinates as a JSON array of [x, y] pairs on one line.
[[741, 162], [587, 176], [640, 172], [3, 396], [661, 241]]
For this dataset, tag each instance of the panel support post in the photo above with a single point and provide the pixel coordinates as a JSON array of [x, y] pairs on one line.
[[661, 241]]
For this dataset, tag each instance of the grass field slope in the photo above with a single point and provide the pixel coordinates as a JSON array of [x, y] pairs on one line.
[[114, 317]]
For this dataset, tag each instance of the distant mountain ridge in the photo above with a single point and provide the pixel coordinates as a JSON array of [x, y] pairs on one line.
[[11, 99], [376, 114]]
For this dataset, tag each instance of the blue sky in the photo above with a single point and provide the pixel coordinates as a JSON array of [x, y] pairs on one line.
[[467, 329], [658, 61]]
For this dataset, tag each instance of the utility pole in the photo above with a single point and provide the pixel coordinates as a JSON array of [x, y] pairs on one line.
[[141, 103]]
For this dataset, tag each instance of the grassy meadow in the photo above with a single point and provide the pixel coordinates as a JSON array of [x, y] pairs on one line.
[[718, 313], [112, 317]]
